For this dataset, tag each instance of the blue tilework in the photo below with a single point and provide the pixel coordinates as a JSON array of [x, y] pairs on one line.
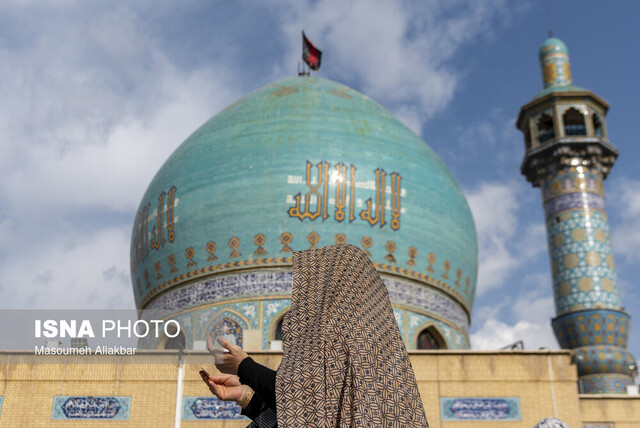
[[0, 405], [602, 360], [604, 384], [84, 407], [572, 180], [569, 201], [203, 408], [480, 409], [204, 316], [453, 338], [554, 61], [225, 287], [592, 328], [582, 264], [271, 308], [270, 283]]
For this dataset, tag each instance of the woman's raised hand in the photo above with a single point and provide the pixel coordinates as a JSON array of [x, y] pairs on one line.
[[228, 359], [225, 387]]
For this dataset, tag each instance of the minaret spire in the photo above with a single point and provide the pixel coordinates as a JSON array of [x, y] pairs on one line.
[[549, 18], [568, 155]]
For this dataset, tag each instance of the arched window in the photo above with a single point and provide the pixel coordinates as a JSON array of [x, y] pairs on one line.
[[176, 342], [573, 123], [597, 124], [545, 128], [278, 332], [275, 335], [430, 338]]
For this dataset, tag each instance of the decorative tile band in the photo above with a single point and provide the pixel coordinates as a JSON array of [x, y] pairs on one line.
[[0, 405], [279, 283], [555, 70], [582, 200], [87, 407], [480, 409], [570, 180], [203, 408], [592, 328], [604, 384], [464, 285]]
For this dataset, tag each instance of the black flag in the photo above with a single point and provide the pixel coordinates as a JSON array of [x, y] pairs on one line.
[[310, 54]]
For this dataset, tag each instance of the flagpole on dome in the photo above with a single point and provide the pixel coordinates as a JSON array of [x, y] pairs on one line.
[[310, 55]]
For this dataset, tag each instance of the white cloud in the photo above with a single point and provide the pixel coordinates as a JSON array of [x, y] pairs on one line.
[[495, 334], [399, 52], [92, 107], [494, 207], [77, 272]]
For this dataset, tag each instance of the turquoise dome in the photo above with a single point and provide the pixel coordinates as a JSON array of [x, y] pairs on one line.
[[551, 46], [301, 163]]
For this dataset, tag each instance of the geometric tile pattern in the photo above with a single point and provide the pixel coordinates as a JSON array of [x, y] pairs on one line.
[[585, 286], [582, 264], [199, 408], [604, 384], [592, 328], [114, 408], [603, 359], [480, 409]]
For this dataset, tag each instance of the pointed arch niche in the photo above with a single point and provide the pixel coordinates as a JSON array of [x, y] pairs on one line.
[[430, 337], [228, 325], [275, 330], [176, 342], [544, 126], [574, 122]]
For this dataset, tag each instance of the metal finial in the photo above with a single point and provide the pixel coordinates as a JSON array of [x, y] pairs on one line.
[[549, 18]]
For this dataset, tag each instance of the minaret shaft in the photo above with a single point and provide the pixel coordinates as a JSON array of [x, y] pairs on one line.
[[569, 156]]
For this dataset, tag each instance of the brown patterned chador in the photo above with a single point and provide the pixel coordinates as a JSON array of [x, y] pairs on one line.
[[344, 361]]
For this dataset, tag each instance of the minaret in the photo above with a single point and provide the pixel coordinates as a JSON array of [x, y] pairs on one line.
[[568, 155]]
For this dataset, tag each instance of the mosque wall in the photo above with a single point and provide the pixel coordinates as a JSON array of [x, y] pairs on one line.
[[458, 388]]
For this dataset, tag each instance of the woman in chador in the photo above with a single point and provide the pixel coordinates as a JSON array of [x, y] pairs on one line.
[[344, 362]]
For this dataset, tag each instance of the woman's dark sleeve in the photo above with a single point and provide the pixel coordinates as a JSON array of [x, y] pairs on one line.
[[253, 408], [261, 379]]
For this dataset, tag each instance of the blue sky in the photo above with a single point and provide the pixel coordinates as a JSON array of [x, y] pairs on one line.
[[96, 95]]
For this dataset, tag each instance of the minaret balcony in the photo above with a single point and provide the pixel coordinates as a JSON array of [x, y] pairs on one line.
[[539, 161]]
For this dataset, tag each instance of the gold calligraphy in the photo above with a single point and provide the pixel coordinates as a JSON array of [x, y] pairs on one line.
[[141, 242], [379, 206], [313, 204], [313, 193]]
